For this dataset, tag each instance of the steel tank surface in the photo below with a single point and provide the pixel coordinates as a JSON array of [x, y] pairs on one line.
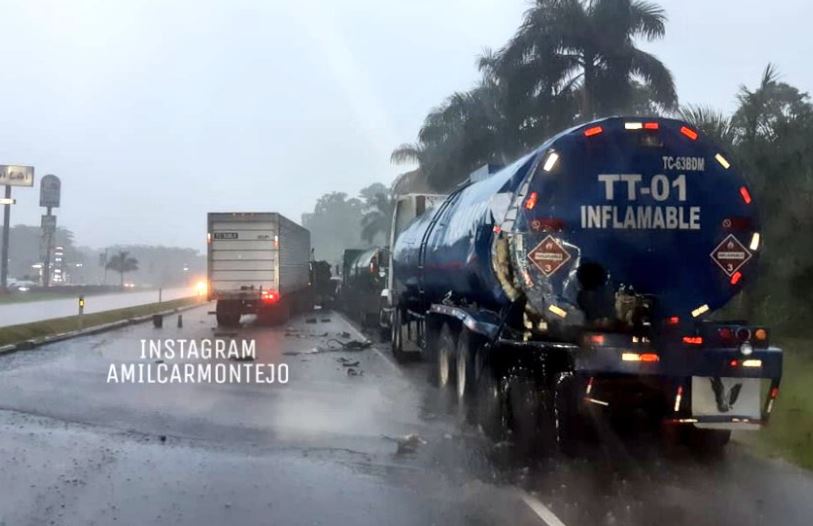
[[620, 205]]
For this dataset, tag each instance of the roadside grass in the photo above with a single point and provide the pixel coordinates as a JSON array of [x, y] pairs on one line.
[[39, 329], [38, 295], [790, 432]]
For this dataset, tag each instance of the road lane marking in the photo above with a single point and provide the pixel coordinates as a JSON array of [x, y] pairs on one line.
[[542, 511], [362, 337]]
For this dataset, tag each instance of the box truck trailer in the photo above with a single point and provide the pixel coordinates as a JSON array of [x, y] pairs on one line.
[[258, 263]]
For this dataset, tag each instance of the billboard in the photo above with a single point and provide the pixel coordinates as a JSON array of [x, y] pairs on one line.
[[50, 188], [12, 175]]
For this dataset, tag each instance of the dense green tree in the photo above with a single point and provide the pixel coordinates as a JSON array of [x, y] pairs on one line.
[[569, 61], [122, 263]]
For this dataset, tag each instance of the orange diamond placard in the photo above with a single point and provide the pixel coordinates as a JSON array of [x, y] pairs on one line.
[[549, 256], [730, 255]]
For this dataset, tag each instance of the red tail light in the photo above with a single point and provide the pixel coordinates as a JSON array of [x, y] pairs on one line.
[[745, 194], [595, 130], [736, 277], [651, 126], [673, 320], [270, 296], [693, 340], [688, 132]]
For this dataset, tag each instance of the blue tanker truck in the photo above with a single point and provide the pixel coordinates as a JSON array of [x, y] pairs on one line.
[[579, 282]]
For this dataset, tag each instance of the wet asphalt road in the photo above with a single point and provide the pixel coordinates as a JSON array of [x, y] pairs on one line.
[[324, 448], [30, 311]]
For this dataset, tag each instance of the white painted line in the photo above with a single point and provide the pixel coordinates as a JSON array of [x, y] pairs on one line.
[[361, 336], [542, 511]]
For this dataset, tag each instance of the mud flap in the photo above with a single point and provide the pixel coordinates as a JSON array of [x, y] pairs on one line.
[[735, 398]]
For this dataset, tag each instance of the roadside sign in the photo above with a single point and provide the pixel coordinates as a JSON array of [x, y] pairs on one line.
[[13, 175], [730, 255], [549, 256], [48, 224], [50, 189]]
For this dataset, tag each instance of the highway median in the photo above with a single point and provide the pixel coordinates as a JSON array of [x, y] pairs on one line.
[[30, 335]]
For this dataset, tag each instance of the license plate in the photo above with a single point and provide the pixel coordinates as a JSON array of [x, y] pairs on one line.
[[730, 397]]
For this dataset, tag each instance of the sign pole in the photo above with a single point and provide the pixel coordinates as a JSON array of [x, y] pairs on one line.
[[6, 220], [46, 264]]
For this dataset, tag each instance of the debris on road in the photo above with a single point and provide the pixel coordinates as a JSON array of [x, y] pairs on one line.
[[346, 362], [353, 372], [310, 320], [408, 443]]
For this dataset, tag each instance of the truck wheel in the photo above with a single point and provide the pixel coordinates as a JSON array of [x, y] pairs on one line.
[[445, 350], [489, 400], [227, 314], [397, 337], [566, 420], [525, 408], [467, 346]]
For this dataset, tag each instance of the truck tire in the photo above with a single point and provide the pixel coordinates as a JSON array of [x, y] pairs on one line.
[[445, 349], [397, 337], [566, 420], [227, 313], [490, 402], [525, 407], [468, 344]]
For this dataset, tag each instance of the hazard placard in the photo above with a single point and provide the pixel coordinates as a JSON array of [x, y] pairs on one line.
[[549, 256], [730, 255]]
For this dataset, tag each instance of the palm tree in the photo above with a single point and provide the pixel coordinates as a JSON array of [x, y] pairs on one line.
[[378, 208], [590, 44], [713, 123], [122, 263]]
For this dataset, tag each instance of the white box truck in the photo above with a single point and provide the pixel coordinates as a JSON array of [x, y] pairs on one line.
[[258, 263]]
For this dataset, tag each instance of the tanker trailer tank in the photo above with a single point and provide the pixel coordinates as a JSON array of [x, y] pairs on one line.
[[599, 255]]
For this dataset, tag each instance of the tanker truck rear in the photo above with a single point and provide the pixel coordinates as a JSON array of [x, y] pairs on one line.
[[580, 282]]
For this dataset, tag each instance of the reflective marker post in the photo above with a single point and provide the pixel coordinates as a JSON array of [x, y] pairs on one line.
[[81, 305]]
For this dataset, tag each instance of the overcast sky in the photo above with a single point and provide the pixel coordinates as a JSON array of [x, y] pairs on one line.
[[154, 113]]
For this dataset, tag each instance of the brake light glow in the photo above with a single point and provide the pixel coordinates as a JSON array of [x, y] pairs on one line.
[[693, 340], [531, 201], [754, 241], [774, 392], [550, 162], [723, 161], [597, 339], [700, 310], [269, 296], [651, 126], [736, 277], [745, 194], [688, 132], [733, 363], [673, 320], [595, 130], [635, 357]]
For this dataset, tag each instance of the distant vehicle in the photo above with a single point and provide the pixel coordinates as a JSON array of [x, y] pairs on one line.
[[323, 284], [363, 278], [21, 285], [258, 263], [577, 283]]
